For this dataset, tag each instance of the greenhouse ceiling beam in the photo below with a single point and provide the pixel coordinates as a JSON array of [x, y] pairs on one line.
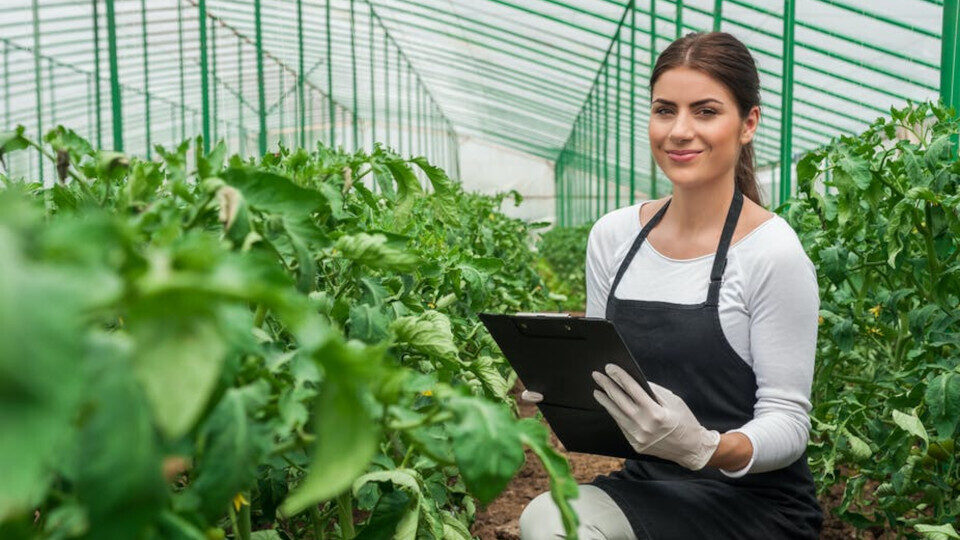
[[538, 44], [845, 58], [820, 70], [881, 18], [596, 79]]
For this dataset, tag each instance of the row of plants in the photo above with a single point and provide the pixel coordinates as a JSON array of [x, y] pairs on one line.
[[879, 215], [284, 347], [562, 265]]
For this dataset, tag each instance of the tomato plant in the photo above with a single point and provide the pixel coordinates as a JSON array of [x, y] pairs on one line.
[[200, 345], [879, 214]]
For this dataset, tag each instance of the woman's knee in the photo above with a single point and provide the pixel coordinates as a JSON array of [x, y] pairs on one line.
[[540, 519], [599, 516]]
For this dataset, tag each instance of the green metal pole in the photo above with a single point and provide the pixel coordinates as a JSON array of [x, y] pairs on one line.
[[409, 113], [115, 91], [204, 81], [242, 132], [717, 14], [653, 62], [633, 87], [595, 106], [606, 138], [96, 74], [679, 24], [37, 81], [183, 94], [146, 75], [261, 97], [90, 120], [216, 97], [301, 75], [386, 85], [950, 60], [53, 97], [399, 102], [786, 101], [353, 69], [330, 76], [373, 93], [282, 103], [617, 153]]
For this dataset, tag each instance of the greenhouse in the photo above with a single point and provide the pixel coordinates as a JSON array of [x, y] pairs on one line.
[[245, 247]]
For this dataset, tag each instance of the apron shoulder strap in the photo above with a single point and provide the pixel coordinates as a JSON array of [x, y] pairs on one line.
[[635, 247], [720, 260]]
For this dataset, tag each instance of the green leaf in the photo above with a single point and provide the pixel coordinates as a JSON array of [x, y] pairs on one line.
[[177, 363], [444, 195], [374, 251], [486, 445], [386, 516], [943, 401], [428, 333], [859, 449], [346, 433], [368, 323], [273, 193], [910, 423], [486, 369], [266, 534], [563, 486], [408, 186], [852, 168], [230, 449], [118, 478], [937, 532]]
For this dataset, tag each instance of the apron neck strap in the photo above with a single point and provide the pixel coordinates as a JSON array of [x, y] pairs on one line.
[[720, 260], [635, 247]]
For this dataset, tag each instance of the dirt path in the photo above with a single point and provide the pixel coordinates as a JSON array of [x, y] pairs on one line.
[[499, 519]]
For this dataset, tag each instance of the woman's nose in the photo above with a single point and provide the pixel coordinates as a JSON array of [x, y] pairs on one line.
[[682, 128]]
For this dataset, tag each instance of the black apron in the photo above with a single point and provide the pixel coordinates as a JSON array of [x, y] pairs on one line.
[[682, 347]]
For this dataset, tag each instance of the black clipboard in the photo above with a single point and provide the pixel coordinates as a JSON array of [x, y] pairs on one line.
[[555, 356]]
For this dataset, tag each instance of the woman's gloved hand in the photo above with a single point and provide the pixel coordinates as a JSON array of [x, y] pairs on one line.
[[531, 397], [668, 431]]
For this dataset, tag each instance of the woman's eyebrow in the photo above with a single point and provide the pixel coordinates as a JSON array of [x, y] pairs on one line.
[[694, 104]]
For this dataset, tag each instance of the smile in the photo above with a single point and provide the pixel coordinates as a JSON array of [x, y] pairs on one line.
[[684, 156]]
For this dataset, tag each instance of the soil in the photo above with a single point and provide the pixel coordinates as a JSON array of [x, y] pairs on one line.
[[499, 520]]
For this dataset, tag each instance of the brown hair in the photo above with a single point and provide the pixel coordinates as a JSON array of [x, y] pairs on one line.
[[726, 59]]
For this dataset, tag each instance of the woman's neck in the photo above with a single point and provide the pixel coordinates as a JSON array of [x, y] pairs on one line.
[[699, 209]]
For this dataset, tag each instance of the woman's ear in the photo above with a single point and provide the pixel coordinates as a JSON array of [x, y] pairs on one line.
[[750, 125]]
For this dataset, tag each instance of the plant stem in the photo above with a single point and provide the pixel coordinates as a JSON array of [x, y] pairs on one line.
[[259, 316], [345, 508], [244, 532], [317, 525]]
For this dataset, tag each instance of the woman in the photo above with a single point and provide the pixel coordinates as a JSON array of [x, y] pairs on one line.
[[718, 303]]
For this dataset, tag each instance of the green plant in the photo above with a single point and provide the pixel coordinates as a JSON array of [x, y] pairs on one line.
[[884, 235], [562, 264], [195, 346]]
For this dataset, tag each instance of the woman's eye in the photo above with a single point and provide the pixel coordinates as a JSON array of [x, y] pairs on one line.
[[710, 111], [662, 109]]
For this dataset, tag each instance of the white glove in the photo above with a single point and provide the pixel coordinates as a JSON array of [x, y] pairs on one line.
[[669, 431], [531, 397]]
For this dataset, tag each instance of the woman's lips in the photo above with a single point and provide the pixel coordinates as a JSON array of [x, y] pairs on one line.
[[683, 157]]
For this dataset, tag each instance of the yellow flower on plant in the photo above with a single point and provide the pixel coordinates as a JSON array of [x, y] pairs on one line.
[[431, 305], [239, 500], [820, 319], [875, 310], [427, 393], [874, 330]]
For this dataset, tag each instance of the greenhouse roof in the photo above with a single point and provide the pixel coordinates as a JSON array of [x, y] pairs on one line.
[[520, 73]]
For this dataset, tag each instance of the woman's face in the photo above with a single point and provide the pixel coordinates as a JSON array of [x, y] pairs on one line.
[[692, 112]]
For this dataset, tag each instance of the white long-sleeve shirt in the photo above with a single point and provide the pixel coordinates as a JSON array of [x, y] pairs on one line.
[[769, 304]]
